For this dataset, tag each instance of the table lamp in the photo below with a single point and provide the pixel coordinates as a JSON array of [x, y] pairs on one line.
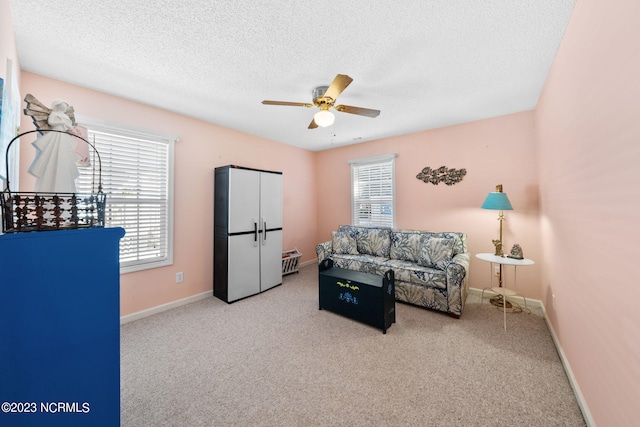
[[498, 201]]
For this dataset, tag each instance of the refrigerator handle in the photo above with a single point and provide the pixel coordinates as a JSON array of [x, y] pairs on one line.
[[255, 231], [265, 231]]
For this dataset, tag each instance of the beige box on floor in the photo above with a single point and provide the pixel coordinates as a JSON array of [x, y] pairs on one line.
[[290, 260]]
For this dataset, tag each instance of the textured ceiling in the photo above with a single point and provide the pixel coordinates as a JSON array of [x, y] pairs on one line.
[[423, 63]]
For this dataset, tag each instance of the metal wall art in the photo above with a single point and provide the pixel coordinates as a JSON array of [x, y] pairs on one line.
[[442, 174]]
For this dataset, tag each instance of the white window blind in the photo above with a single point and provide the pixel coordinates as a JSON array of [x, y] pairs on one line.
[[137, 178], [373, 191]]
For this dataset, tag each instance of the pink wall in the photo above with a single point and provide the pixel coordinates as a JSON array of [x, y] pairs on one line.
[[494, 151], [201, 148], [588, 122]]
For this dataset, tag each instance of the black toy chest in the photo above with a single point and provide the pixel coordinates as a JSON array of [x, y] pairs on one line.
[[360, 296]]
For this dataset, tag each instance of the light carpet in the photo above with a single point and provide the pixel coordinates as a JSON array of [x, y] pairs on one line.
[[274, 359]]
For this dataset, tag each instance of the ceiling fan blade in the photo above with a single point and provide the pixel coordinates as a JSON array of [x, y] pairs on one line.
[[290, 104], [313, 124], [338, 84], [357, 110]]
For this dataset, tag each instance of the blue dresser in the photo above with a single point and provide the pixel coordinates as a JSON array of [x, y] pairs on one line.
[[60, 328]]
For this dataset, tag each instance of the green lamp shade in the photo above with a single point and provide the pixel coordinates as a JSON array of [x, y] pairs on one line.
[[497, 201]]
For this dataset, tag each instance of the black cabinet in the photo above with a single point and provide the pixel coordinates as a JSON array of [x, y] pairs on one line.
[[247, 249], [360, 296]]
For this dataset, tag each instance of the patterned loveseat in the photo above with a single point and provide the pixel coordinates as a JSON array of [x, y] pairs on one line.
[[431, 269]]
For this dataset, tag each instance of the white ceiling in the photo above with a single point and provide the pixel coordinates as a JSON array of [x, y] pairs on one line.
[[424, 63]]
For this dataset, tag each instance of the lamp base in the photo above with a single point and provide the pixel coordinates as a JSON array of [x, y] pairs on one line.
[[499, 301]]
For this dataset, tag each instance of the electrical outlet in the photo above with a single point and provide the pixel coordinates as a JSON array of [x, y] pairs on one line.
[[496, 270], [179, 277]]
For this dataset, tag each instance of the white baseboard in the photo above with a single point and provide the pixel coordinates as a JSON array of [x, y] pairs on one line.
[[572, 379], [306, 263], [164, 307], [565, 363]]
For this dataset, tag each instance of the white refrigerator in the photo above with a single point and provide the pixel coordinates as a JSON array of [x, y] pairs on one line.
[[247, 232]]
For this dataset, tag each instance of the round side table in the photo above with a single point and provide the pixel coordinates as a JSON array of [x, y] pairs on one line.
[[504, 260]]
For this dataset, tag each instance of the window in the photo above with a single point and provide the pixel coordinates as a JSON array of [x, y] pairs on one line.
[[137, 178], [373, 191]]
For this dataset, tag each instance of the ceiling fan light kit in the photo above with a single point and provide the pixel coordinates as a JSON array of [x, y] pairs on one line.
[[324, 118], [324, 98]]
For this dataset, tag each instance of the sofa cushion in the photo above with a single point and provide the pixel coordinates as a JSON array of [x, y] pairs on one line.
[[370, 240], [405, 245], [404, 271], [459, 240], [366, 263], [436, 252], [374, 241], [343, 243], [410, 272]]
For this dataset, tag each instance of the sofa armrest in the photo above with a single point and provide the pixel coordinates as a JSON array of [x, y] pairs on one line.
[[323, 250], [458, 283], [462, 260]]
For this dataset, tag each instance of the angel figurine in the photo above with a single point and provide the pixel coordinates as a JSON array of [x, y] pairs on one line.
[[55, 163]]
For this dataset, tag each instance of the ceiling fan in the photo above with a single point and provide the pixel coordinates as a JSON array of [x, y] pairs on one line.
[[324, 98]]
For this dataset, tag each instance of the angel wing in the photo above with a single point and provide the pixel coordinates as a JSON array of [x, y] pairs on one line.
[[40, 113]]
